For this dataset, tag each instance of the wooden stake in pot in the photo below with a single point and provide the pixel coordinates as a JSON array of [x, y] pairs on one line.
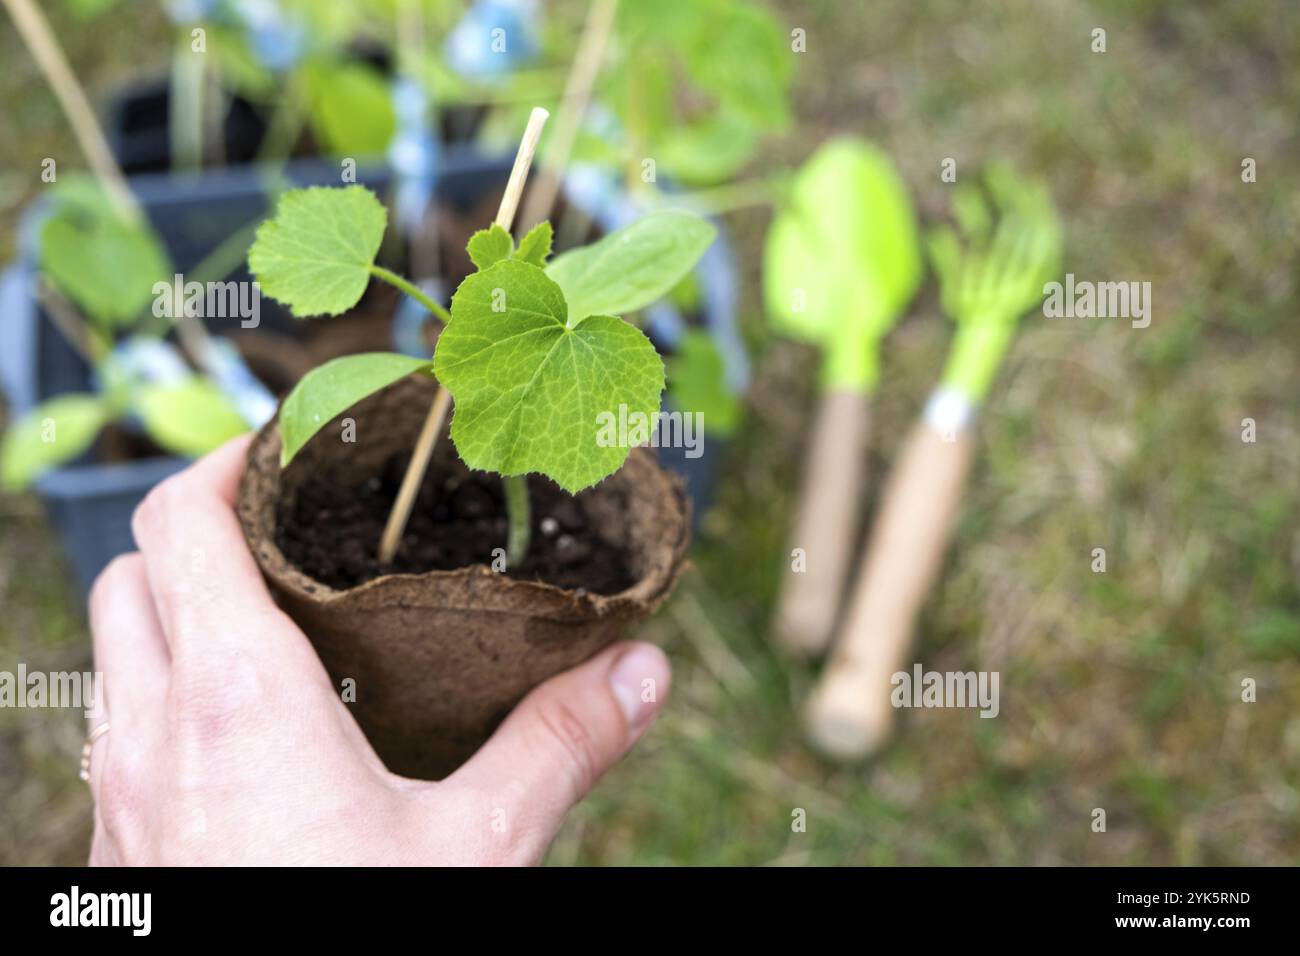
[[841, 263], [985, 290], [433, 423]]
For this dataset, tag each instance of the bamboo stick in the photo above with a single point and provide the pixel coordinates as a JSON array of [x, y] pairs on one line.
[[39, 39], [414, 477]]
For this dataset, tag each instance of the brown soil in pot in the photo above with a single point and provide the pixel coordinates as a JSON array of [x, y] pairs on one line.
[[440, 657], [331, 532]]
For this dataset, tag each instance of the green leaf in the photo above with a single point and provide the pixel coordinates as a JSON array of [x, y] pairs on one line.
[[315, 254], [489, 246], [707, 151], [52, 433], [729, 54], [633, 266], [593, 149], [535, 247], [331, 389], [535, 394], [697, 382], [743, 59], [351, 108], [190, 417], [686, 295], [106, 265]]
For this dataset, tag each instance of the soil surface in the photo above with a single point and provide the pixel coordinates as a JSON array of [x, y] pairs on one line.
[[117, 444], [331, 533]]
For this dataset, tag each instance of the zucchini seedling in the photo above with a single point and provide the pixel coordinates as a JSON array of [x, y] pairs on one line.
[[98, 272], [534, 348]]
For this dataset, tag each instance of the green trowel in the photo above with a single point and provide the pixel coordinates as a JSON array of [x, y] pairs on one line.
[[841, 263]]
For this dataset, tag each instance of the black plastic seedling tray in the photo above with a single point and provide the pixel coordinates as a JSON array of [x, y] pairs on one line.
[[90, 501]]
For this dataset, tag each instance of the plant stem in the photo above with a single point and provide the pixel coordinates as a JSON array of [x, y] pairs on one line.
[[79, 333], [227, 256], [520, 514], [392, 278], [515, 487], [283, 128], [185, 107], [718, 200], [401, 512], [214, 114]]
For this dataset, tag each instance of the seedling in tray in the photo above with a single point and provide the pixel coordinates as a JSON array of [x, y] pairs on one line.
[[98, 272]]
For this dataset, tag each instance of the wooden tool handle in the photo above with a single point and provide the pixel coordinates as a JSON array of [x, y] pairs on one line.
[[850, 712], [826, 519]]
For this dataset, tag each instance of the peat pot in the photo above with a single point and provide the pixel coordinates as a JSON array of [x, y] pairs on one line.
[[440, 657]]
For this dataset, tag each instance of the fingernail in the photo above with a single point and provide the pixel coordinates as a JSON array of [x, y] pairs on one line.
[[639, 680]]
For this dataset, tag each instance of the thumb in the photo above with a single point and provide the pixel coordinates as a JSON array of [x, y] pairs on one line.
[[562, 737]]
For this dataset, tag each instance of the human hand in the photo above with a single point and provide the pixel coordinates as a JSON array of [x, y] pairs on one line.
[[230, 745]]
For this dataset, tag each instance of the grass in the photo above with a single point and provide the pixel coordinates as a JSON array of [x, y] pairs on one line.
[[1120, 690]]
